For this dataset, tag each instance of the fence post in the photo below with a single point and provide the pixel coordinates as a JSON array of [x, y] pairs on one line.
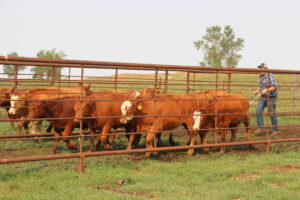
[[15, 76], [53, 76], [116, 80], [229, 82], [267, 146], [80, 163], [166, 81], [187, 82]]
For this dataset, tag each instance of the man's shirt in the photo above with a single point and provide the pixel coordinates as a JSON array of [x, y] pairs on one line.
[[265, 83]]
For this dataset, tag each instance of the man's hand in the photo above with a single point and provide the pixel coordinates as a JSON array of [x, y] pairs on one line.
[[256, 92], [264, 91]]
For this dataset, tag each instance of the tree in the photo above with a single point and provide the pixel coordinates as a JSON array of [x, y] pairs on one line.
[[9, 69], [220, 49], [46, 71]]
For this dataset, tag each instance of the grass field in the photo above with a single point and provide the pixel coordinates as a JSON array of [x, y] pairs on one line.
[[239, 174], [172, 176]]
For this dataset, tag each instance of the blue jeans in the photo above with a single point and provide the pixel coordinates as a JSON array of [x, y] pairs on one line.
[[271, 105]]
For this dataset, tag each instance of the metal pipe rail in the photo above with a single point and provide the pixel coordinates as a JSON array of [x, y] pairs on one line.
[[97, 64]]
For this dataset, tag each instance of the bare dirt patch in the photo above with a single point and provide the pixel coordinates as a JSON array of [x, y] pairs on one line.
[[285, 169], [119, 191]]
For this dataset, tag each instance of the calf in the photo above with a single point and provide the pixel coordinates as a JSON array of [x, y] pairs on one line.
[[20, 99], [223, 112], [5, 103], [165, 112], [62, 110], [104, 113]]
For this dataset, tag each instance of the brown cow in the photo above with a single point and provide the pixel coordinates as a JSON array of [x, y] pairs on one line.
[[180, 107], [104, 112], [227, 112], [62, 110], [5, 103], [20, 100]]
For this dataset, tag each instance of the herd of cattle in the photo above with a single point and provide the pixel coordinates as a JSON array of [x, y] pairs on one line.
[[144, 111]]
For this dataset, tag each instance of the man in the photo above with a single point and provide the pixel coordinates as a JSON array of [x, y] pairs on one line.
[[268, 91]]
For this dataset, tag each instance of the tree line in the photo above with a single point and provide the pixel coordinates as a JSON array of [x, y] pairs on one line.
[[43, 72], [219, 48]]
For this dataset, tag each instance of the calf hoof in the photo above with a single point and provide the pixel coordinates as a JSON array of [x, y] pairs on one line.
[[72, 147], [252, 147], [52, 152], [205, 149], [108, 147], [173, 143], [191, 152], [128, 148], [147, 155], [98, 146], [91, 149], [222, 151]]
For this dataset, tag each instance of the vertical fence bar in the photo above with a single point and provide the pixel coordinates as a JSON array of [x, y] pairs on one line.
[[81, 157], [69, 77], [166, 81], [187, 82], [194, 80], [15, 76], [53, 76], [116, 80], [267, 147], [216, 108], [155, 96], [228, 82]]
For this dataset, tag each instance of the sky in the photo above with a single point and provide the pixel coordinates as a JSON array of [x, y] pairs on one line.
[[151, 31]]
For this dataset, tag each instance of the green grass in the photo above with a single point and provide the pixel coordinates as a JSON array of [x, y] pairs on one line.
[[214, 176]]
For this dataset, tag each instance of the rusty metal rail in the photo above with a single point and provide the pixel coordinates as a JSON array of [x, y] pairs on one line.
[[223, 81]]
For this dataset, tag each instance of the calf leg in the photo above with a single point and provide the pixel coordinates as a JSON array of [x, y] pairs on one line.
[[56, 141], [192, 134], [223, 139], [130, 141], [25, 126], [159, 141], [92, 139], [39, 127], [49, 128], [20, 125], [103, 136], [11, 124], [249, 131], [69, 127], [149, 143], [203, 139], [171, 140], [136, 141]]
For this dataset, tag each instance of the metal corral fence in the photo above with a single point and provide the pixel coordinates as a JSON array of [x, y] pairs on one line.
[[107, 78]]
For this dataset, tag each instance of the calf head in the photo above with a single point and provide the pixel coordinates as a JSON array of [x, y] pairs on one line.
[[83, 109], [17, 105], [199, 119], [85, 89], [202, 113], [129, 107], [37, 109], [4, 96]]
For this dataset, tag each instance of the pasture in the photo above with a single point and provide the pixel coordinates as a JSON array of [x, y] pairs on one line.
[[241, 173]]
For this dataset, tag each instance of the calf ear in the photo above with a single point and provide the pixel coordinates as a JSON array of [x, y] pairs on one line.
[[157, 90], [139, 106], [88, 86], [12, 89], [43, 103]]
